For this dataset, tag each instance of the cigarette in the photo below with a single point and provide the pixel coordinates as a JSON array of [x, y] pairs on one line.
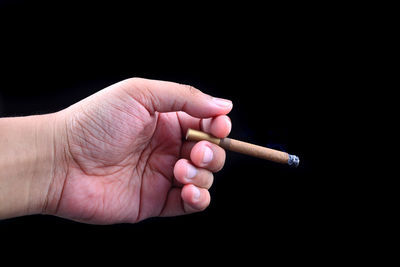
[[245, 148]]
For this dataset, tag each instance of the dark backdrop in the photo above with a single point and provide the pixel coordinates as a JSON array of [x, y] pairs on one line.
[[274, 63]]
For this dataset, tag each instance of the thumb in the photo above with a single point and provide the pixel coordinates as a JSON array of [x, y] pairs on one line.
[[165, 96]]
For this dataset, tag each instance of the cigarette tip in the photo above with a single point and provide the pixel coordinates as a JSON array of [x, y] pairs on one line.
[[293, 160]]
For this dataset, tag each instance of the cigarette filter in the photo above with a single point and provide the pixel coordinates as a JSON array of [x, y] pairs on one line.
[[245, 148]]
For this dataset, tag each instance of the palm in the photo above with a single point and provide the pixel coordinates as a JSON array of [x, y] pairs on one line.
[[122, 159]]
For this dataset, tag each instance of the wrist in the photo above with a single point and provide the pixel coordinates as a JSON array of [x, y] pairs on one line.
[[44, 160], [49, 174], [58, 151], [31, 164]]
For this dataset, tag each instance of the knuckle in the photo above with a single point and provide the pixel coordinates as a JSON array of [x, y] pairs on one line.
[[134, 80], [209, 181], [219, 167], [178, 169], [220, 161], [203, 207], [192, 90]]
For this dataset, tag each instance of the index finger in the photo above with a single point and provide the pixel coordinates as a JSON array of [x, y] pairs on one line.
[[163, 96]]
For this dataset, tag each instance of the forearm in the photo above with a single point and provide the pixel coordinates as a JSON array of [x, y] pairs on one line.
[[27, 164]]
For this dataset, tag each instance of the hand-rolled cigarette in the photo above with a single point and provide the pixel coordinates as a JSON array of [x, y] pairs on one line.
[[245, 148]]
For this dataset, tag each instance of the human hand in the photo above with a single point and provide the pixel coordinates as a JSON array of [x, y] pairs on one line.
[[121, 156]]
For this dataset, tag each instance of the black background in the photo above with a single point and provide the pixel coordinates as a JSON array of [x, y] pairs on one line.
[[277, 65]]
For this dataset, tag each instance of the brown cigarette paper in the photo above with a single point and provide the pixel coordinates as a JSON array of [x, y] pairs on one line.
[[244, 148]]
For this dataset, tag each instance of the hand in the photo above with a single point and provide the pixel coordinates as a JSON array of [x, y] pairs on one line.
[[124, 158]]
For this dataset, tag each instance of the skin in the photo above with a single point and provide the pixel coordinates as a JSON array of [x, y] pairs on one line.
[[117, 156]]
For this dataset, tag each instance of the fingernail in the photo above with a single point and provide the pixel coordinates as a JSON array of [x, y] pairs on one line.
[[207, 155], [191, 172], [222, 102], [196, 193]]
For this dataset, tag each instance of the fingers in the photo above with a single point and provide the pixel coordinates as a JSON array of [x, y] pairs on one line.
[[219, 126], [204, 154], [199, 153], [194, 198], [186, 173], [185, 200], [207, 155], [165, 96], [196, 177]]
